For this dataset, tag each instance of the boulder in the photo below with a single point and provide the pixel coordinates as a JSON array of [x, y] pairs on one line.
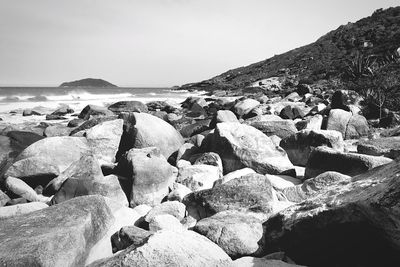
[[348, 224], [93, 110], [280, 182], [324, 159], [48, 157], [150, 173], [75, 122], [245, 106], [144, 130], [165, 222], [85, 177], [128, 106], [178, 192], [387, 146], [87, 124], [52, 117], [238, 234], [234, 175], [19, 140], [195, 128], [299, 146], [310, 123], [160, 105], [224, 116], [62, 111], [173, 208], [60, 235], [242, 146], [210, 158], [14, 210], [186, 152], [250, 193], [104, 139], [167, 248], [20, 188], [350, 125], [30, 112], [4, 198], [198, 177], [281, 128], [57, 130], [313, 186], [129, 236]]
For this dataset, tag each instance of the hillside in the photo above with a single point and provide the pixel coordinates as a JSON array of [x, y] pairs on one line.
[[322, 63], [89, 82]]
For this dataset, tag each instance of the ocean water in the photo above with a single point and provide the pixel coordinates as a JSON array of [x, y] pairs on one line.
[[13, 100], [19, 98]]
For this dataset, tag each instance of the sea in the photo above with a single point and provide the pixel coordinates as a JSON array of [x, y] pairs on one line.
[[46, 99]]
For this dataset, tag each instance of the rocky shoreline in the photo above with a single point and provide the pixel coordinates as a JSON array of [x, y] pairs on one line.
[[260, 179]]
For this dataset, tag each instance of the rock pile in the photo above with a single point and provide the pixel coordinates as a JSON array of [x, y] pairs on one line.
[[258, 181]]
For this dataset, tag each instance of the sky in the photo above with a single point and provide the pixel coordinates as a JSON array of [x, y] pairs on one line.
[[157, 42]]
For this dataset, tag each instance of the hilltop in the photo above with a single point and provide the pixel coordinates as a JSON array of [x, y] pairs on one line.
[[321, 64], [89, 82]]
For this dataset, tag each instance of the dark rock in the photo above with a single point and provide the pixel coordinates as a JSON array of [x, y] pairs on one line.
[[30, 112], [161, 106], [88, 82], [196, 128], [64, 240], [52, 117], [348, 224], [128, 106], [75, 122], [388, 147], [324, 159], [62, 111], [303, 89], [299, 146], [92, 110], [129, 236], [338, 101]]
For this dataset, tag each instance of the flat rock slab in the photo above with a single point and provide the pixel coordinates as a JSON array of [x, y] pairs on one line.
[[60, 235]]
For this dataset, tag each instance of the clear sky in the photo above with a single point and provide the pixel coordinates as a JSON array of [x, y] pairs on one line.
[[157, 42]]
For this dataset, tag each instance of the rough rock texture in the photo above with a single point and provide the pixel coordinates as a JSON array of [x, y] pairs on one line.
[[350, 224], [244, 146], [167, 248], [82, 127], [310, 123], [281, 128], [104, 139], [57, 130], [238, 234], [299, 146], [324, 159], [165, 222], [129, 236], [388, 147], [20, 188], [234, 175], [198, 177], [128, 106], [279, 182], [150, 173], [315, 185], [174, 208], [144, 130], [249, 193], [210, 158], [85, 177], [48, 157], [60, 235], [14, 210], [93, 110], [245, 106], [350, 125]]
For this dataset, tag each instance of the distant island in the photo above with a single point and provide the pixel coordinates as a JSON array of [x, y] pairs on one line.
[[89, 82]]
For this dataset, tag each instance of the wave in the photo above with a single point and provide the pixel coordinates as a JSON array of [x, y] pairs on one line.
[[9, 99]]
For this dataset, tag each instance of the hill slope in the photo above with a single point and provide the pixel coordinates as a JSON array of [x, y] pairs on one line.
[[323, 61], [89, 82]]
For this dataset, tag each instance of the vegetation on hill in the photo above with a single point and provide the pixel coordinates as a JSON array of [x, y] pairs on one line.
[[89, 82], [324, 64]]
